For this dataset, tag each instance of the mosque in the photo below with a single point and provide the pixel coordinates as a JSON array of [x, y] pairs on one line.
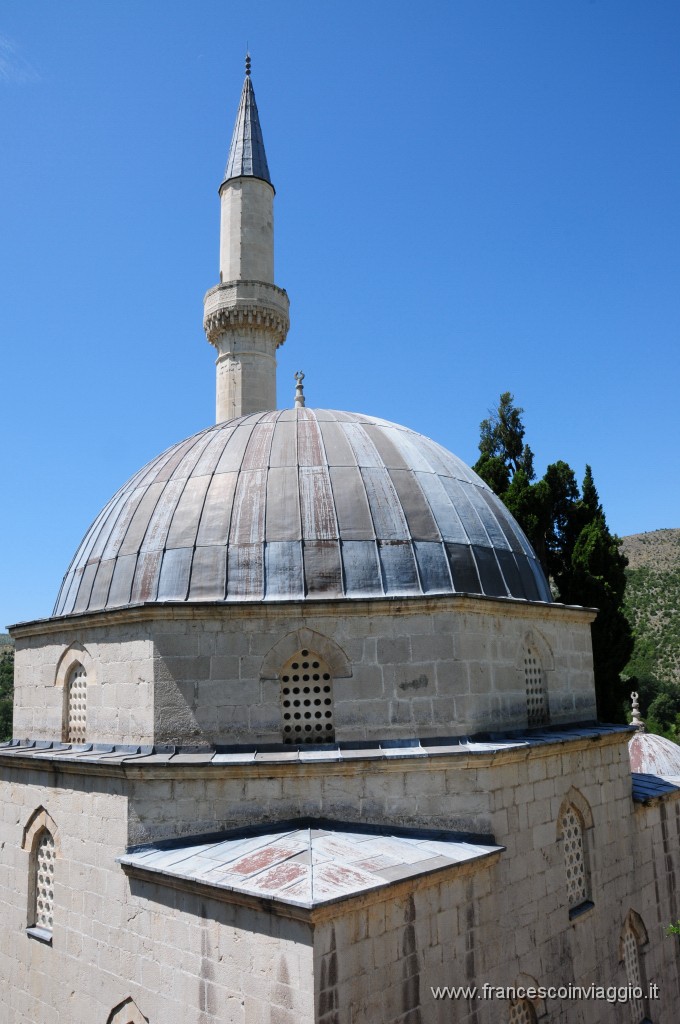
[[307, 741]]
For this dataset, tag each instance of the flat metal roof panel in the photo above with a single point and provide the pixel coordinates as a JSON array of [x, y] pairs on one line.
[[283, 521], [355, 522], [208, 574]]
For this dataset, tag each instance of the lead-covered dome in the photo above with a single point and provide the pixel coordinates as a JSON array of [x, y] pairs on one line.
[[301, 503], [654, 755]]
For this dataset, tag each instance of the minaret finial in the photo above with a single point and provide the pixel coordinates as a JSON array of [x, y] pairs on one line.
[[247, 64], [299, 393], [637, 721]]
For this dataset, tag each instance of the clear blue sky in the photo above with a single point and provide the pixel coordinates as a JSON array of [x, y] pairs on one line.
[[472, 196]]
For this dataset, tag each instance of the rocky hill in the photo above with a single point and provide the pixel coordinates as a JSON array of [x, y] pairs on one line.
[[653, 603]]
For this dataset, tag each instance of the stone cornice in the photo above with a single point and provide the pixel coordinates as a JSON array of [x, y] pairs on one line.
[[331, 608], [463, 758], [246, 316]]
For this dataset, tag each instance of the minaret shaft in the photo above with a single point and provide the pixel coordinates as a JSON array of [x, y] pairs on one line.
[[246, 315], [247, 230]]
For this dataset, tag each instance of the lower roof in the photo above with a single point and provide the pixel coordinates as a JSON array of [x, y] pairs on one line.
[[304, 864]]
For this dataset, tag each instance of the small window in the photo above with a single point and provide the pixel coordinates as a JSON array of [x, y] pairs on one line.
[[571, 828], [76, 705], [307, 700], [537, 703], [522, 1012], [634, 975], [127, 1012], [43, 885]]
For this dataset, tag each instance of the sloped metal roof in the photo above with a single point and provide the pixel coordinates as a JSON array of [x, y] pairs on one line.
[[305, 866], [647, 788], [296, 504], [246, 153]]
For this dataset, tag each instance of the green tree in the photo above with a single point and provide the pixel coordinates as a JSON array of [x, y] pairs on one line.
[[6, 694], [568, 531]]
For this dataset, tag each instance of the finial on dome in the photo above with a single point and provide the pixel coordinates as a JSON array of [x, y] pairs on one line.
[[299, 394], [247, 64], [637, 720]]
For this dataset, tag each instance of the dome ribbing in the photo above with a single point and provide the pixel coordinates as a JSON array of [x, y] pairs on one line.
[[295, 504]]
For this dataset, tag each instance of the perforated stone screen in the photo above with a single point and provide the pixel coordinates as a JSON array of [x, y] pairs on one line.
[[44, 882], [574, 860], [76, 711], [307, 700], [522, 1012], [631, 958], [537, 707]]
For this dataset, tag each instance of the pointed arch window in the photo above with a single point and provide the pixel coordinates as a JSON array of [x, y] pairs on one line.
[[127, 1012], [307, 699], [572, 831], [44, 881], [537, 698], [633, 936], [75, 727], [41, 843]]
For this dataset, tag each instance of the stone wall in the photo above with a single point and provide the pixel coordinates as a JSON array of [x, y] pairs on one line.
[[119, 662], [509, 924], [185, 957], [437, 667]]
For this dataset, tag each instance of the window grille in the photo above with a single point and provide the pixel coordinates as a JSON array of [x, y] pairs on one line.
[[307, 700], [631, 959], [44, 882], [76, 709], [522, 1012], [574, 857], [537, 706]]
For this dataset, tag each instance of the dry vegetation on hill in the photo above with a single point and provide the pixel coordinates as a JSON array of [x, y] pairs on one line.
[[653, 603], [653, 608]]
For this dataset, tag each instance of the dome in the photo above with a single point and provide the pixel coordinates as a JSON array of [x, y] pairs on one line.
[[653, 755], [301, 504]]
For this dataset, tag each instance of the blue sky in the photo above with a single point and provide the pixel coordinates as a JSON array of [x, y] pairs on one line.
[[473, 196]]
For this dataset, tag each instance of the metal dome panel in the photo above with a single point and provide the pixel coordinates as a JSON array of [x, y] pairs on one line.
[[654, 755], [301, 503]]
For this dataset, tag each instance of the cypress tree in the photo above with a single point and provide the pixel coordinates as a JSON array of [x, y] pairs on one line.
[[568, 530]]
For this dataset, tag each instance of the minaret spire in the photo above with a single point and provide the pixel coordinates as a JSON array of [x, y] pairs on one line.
[[246, 153], [246, 315]]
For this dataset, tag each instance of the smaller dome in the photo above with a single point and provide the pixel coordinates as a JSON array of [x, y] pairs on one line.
[[654, 755]]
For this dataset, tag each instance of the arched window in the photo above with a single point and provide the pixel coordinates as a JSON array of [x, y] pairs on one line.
[[522, 1012], [76, 705], [631, 959], [537, 701], [127, 1012], [44, 881], [571, 828], [41, 843], [307, 699], [633, 936]]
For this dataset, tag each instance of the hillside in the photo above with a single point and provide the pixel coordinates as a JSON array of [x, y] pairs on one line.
[[653, 603]]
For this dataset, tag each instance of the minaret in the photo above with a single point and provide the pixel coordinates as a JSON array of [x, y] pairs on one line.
[[246, 315]]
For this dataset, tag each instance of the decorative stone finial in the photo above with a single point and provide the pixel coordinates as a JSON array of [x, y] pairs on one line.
[[247, 65], [637, 721], [299, 394]]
